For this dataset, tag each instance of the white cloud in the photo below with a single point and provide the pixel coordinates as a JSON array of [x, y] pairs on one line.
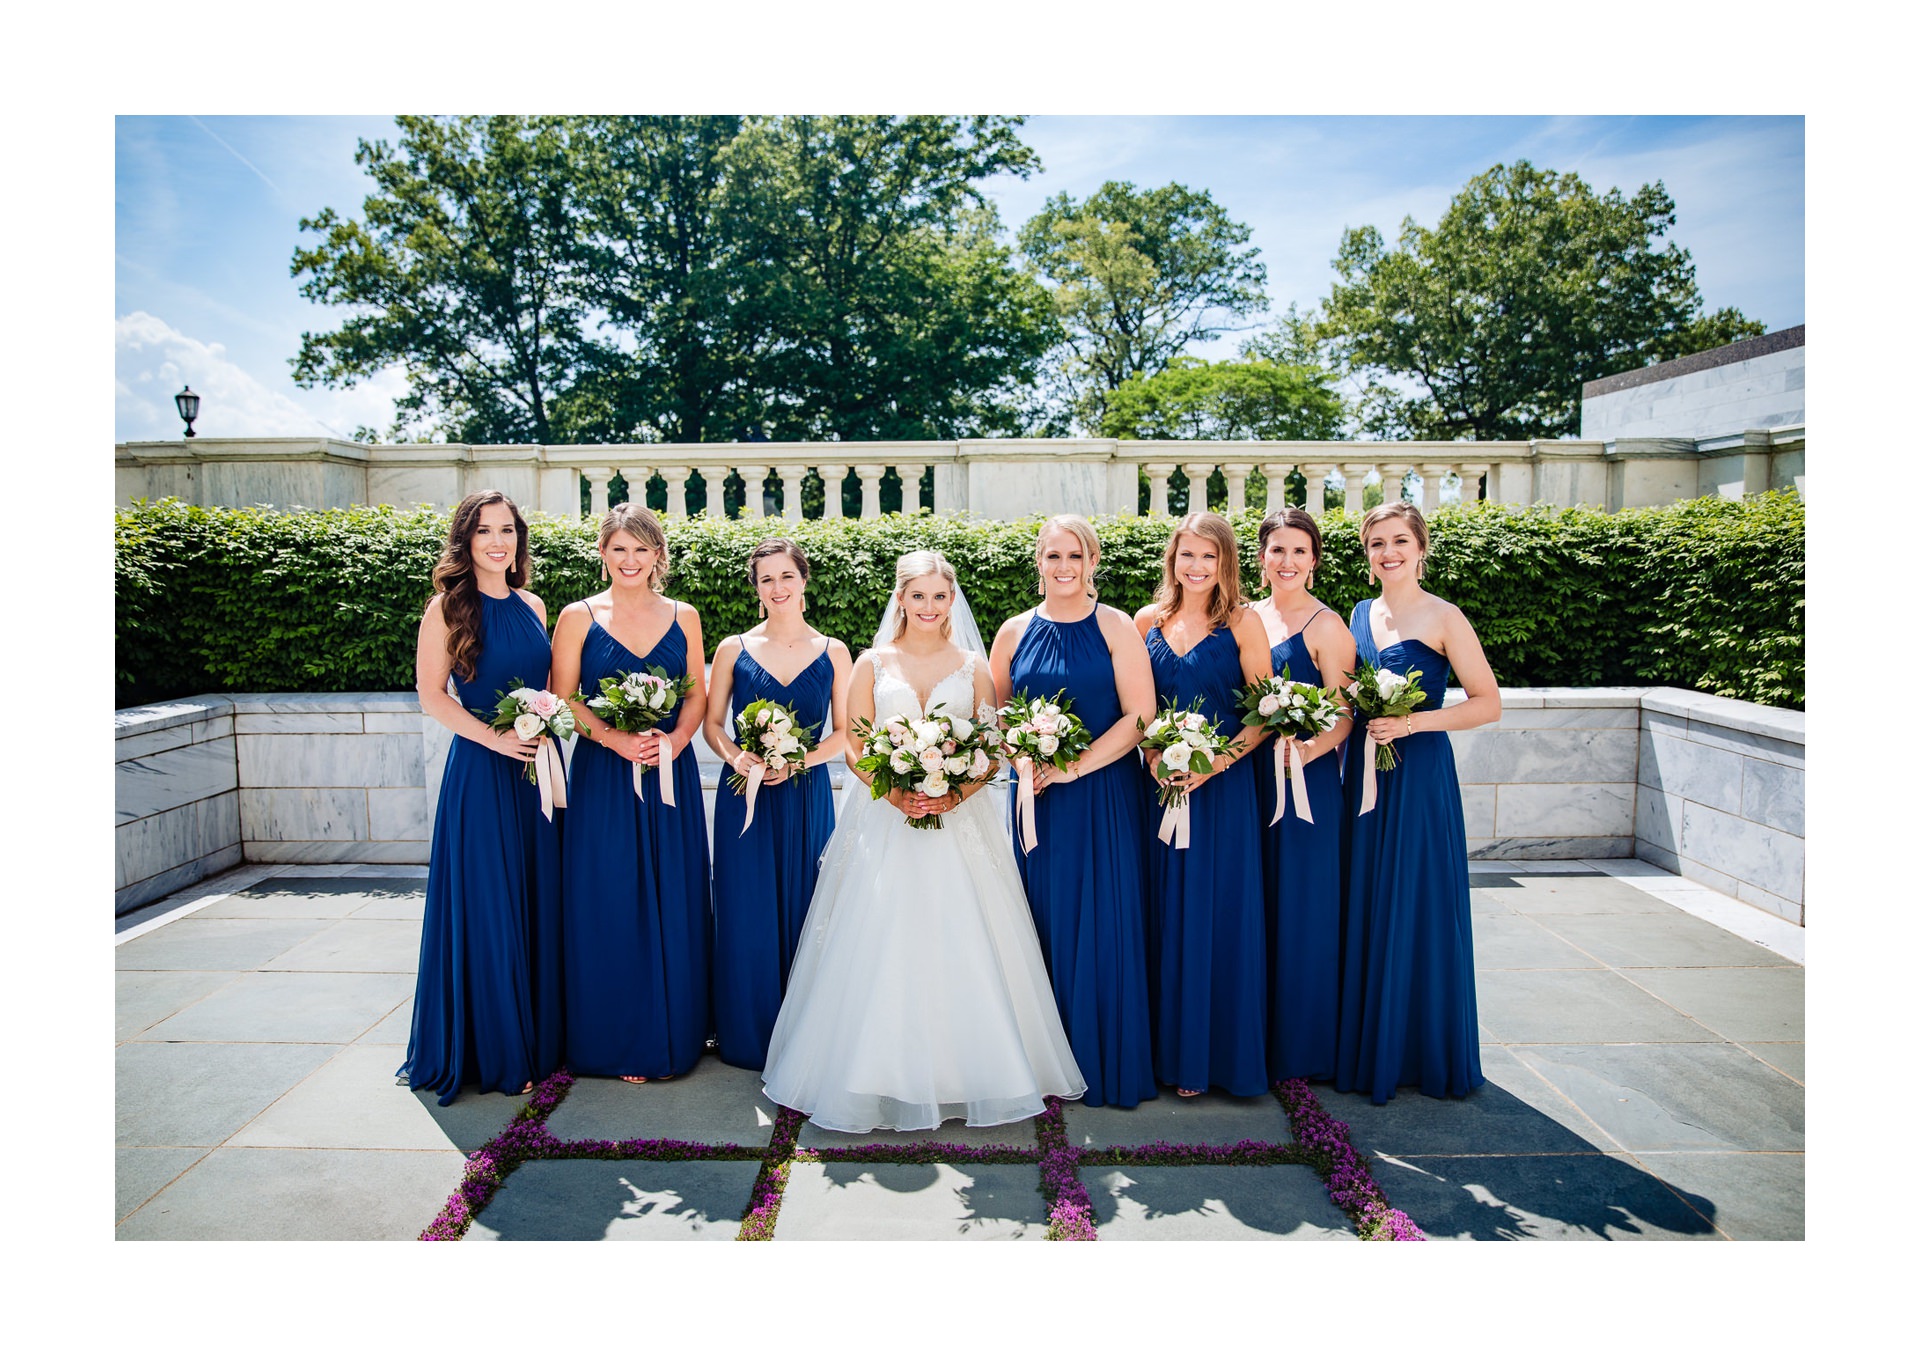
[[153, 360]]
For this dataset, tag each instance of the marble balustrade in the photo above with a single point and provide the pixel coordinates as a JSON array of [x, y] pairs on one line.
[[1708, 787]]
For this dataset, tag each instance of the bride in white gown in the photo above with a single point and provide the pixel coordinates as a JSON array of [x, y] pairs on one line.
[[919, 994]]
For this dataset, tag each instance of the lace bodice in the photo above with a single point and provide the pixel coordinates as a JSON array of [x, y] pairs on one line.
[[894, 696]]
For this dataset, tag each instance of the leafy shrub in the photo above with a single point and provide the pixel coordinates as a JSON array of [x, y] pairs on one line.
[[1707, 594]]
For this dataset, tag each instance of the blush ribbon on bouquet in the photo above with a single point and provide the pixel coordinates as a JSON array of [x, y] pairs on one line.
[[1367, 792], [666, 771], [1176, 825], [551, 775], [755, 775], [1289, 753], [1023, 805]]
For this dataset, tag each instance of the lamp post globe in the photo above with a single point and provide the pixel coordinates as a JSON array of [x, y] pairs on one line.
[[189, 406]]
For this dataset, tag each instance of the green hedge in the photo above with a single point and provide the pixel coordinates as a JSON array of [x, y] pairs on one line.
[[1706, 595]]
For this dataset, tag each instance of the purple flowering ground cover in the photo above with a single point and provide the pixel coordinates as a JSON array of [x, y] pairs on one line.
[[1319, 1142]]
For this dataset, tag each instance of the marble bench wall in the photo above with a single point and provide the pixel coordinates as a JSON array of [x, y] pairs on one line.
[[176, 798], [1555, 777]]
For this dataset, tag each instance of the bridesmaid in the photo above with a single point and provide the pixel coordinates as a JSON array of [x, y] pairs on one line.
[[763, 878], [1302, 860], [1083, 881], [486, 1005], [1407, 1012], [1206, 924], [638, 922]]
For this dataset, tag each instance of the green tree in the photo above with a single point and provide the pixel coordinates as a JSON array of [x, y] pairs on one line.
[[1487, 325], [460, 272], [1137, 278], [1193, 398]]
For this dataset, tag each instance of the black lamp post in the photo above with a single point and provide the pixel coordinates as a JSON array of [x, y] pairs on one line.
[[189, 406]]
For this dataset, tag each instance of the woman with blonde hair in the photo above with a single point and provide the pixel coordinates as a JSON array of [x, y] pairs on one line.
[[638, 922], [1407, 1007], [1083, 876], [1206, 924]]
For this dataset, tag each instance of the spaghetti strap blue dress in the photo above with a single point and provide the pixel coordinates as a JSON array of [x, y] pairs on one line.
[[1407, 1008], [1206, 912], [1084, 880], [1301, 864], [763, 878], [638, 918], [486, 1003]]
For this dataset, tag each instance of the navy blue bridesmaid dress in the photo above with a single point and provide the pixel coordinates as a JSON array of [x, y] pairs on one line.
[[638, 922], [1084, 880], [1407, 1010], [763, 881], [1301, 866], [1206, 912], [487, 1001]]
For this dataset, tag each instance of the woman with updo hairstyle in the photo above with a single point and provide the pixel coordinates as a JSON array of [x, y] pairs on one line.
[[1083, 877], [1408, 1014], [764, 871], [1302, 859], [638, 921], [486, 1003], [1206, 908]]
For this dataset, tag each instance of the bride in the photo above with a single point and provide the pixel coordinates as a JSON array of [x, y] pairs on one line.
[[919, 994]]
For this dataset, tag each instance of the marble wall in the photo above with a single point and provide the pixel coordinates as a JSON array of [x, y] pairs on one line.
[[176, 798], [1554, 778]]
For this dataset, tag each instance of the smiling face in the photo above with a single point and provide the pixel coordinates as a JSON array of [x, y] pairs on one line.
[[1393, 550], [1196, 562], [925, 603], [630, 562], [1287, 560], [495, 542], [778, 581], [1064, 565]]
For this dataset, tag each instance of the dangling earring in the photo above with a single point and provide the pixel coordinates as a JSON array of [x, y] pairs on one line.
[[1309, 579], [1420, 570], [604, 576], [1039, 588], [763, 611]]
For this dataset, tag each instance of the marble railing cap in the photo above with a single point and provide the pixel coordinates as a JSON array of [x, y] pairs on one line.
[[134, 720], [1772, 721]]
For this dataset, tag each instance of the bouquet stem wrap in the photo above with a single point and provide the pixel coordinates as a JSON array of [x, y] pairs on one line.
[[551, 776], [755, 775], [1289, 753], [1023, 805], [1176, 825]]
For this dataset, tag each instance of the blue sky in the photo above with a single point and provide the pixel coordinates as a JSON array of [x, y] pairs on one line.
[[207, 213]]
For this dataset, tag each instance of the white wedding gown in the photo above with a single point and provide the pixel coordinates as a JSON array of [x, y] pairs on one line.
[[919, 993]]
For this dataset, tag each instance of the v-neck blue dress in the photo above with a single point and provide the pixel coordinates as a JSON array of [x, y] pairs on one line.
[[1407, 1010], [763, 879], [1303, 877], [486, 1003], [638, 922], [1206, 908], [1084, 880]]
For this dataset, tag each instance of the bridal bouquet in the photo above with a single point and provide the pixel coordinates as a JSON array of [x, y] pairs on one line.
[[927, 755], [1040, 731], [773, 733], [1184, 741], [1290, 711], [530, 713], [636, 702], [1382, 692]]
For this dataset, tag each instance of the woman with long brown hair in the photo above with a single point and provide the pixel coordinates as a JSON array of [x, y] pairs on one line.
[[486, 1004], [1206, 920]]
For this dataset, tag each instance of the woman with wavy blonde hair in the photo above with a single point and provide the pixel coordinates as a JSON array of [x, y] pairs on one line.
[[1206, 919]]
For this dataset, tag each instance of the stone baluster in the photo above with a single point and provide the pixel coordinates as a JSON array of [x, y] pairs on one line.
[[676, 478], [1157, 474], [1393, 481], [597, 479], [636, 478], [1276, 475], [1472, 474], [1356, 474], [870, 478], [831, 478], [753, 489], [1316, 488], [1432, 474], [789, 484], [910, 486], [1237, 486], [1197, 473]]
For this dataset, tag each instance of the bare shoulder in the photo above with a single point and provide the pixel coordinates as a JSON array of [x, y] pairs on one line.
[[838, 651], [1247, 627], [1013, 627], [1145, 619], [435, 609], [727, 649]]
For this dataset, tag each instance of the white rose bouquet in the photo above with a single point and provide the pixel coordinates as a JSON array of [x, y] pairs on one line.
[[532, 713], [1382, 692], [1040, 730], [929, 756], [1182, 740], [1289, 711], [773, 733], [635, 703]]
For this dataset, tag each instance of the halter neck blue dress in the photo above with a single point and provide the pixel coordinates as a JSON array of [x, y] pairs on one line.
[[638, 918], [486, 1003], [1407, 1008], [1084, 880], [1206, 911], [763, 881], [1302, 874]]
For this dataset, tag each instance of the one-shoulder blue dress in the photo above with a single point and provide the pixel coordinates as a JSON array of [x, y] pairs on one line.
[[1302, 873], [1407, 1010], [1206, 909], [1084, 880], [638, 919], [763, 880], [486, 1003]]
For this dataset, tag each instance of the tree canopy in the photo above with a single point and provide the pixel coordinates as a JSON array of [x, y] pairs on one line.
[[1254, 398], [1532, 284]]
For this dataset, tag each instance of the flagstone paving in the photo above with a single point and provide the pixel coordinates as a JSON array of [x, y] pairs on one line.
[[1645, 1080]]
